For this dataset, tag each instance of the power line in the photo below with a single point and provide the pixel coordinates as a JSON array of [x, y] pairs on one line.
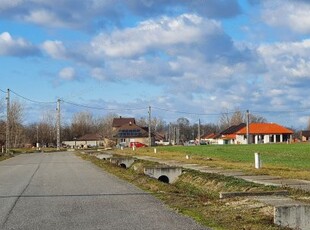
[[191, 113], [33, 101], [102, 108]]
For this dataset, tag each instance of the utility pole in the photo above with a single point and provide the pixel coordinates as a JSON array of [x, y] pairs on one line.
[[247, 127], [199, 136], [58, 124], [7, 142], [150, 120]]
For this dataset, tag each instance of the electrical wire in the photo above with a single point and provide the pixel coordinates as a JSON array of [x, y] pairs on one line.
[[101, 108], [191, 113], [162, 109], [33, 101]]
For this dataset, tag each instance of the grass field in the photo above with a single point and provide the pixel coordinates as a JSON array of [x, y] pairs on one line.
[[286, 160], [295, 156]]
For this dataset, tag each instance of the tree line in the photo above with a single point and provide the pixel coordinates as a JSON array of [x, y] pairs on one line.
[[84, 122]]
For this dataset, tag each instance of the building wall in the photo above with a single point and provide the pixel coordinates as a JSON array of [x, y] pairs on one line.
[[264, 139], [83, 144]]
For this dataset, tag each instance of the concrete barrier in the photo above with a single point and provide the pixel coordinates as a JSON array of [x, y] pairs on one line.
[[293, 216], [165, 174], [224, 195], [104, 156], [124, 162]]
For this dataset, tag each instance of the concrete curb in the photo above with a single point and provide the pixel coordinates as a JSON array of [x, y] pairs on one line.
[[224, 195]]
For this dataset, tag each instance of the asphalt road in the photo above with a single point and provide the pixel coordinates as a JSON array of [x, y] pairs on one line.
[[62, 191]]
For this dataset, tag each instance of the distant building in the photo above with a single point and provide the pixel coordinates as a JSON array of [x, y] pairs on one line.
[[305, 135], [88, 140], [264, 133], [209, 138], [129, 134], [258, 133]]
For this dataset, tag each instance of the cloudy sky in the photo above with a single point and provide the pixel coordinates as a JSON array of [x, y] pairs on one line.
[[194, 59]]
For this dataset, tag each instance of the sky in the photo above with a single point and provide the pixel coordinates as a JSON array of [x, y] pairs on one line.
[[195, 59]]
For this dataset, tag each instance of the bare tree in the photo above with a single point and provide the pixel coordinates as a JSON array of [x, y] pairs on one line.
[[257, 119], [82, 123], [104, 125], [17, 137], [229, 119]]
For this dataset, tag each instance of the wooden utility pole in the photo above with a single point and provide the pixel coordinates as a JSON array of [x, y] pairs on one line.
[[150, 133], [199, 135], [248, 127], [58, 124], [8, 123]]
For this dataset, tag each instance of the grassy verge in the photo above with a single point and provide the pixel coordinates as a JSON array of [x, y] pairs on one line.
[[285, 160], [197, 195], [4, 157]]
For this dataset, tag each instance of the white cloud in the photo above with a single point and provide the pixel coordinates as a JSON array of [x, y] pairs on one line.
[[81, 14], [155, 34], [55, 49], [67, 73], [45, 17], [288, 60], [15, 47], [288, 14]]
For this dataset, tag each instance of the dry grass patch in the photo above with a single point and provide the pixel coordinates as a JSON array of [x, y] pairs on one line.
[[197, 195]]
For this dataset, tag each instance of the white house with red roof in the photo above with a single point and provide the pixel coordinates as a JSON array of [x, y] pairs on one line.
[[264, 133]]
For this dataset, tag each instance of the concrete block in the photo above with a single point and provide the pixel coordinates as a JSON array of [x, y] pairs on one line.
[[124, 162], [242, 194], [164, 173], [104, 156], [293, 216]]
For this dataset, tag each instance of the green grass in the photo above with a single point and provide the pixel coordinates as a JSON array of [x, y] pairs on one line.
[[284, 160], [294, 156]]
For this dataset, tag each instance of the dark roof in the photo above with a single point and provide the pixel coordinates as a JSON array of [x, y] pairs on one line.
[[131, 130], [233, 129], [305, 133], [159, 136], [118, 122], [91, 137]]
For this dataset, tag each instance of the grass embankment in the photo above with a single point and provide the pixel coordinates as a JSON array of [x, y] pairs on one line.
[[285, 160], [197, 195], [4, 157]]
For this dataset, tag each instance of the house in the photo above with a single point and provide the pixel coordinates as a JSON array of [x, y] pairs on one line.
[[228, 136], [305, 135], [118, 122], [264, 133], [161, 139], [88, 140], [209, 138], [128, 133]]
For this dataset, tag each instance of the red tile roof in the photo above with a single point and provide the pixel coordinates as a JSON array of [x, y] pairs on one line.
[[229, 137], [265, 128], [208, 136]]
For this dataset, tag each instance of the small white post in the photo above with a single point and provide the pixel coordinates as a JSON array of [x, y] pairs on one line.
[[155, 150], [258, 163]]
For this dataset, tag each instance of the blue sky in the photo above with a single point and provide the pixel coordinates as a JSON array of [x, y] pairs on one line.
[[201, 57]]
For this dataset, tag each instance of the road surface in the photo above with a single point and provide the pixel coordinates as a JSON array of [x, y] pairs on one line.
[[62, 191]]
